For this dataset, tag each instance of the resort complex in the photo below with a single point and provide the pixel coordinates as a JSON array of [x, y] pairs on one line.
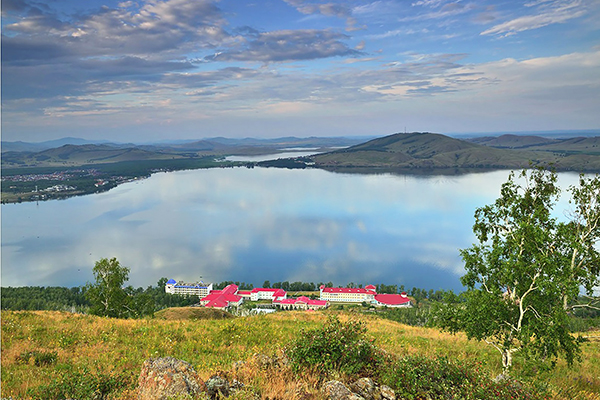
[[231, 296]]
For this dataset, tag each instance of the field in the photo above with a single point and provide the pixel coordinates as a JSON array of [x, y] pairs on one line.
[[43, 350]]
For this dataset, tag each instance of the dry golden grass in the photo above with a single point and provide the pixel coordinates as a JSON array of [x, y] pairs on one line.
[[192, 313], [119, 347]]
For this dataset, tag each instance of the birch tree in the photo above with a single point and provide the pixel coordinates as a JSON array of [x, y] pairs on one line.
[[525, 274], [108, 296]]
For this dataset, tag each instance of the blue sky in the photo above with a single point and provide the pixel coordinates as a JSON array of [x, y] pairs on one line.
[[152, 70]]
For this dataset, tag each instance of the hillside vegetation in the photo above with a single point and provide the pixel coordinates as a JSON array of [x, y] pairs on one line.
[[44, 352], [435, 151]]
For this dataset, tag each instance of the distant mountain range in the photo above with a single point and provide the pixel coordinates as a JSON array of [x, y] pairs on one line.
[[398, 151], [69, 152], [210, 144], [435, 151]]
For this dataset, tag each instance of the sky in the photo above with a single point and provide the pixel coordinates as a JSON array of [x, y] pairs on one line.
[[142, 71]]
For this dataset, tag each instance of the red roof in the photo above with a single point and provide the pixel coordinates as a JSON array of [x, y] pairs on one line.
[[244, 292], [302, 299], [256, 290], [347, 290], [218, 303], [220, 300], [230, 289], [370, 287], [285, 301], [276, 291], [392, 299]]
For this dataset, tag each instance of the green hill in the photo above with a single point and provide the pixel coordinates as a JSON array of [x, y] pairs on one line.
[[75, 155], [435, 151], [57, 355]]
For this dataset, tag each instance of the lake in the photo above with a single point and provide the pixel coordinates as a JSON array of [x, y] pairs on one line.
[[252, 225]]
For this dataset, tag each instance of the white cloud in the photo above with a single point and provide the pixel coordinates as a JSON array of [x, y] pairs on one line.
[[548, 13]]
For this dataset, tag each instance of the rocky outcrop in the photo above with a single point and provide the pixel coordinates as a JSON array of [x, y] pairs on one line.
[[168, 377], [217, 387], [336, 390], [362, 389]]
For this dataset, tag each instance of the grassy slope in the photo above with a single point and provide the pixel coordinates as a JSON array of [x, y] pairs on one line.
[[71, 155], [428, 150], [119, 347]]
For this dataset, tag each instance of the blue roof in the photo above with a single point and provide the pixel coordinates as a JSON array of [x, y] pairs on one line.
[[193, 286], [171, 281]]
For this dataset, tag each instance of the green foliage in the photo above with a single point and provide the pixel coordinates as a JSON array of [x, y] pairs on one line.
[[39, 358], [414, 316], [44, 298], [419, 377], [81, 384], [74, 300], [335, 346], [527, 269], [107, 296]]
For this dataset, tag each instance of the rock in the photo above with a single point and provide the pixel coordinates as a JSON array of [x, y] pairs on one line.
[[366, 388], [217, 387], [168, 377], [336, 390], [387, 392]]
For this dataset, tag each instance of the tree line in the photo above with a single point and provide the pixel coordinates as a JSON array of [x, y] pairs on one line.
[[75, 299]]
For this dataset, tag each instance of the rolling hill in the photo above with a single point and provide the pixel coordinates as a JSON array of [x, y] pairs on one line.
[[436, 151], [74, 155], [576, 145]]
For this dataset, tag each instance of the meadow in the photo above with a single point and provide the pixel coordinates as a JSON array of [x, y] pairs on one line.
[[45, 353]]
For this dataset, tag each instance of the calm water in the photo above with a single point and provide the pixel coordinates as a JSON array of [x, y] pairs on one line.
[[255, 224]]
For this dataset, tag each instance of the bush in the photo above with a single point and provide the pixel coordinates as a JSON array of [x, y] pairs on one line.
[[418, 377], [335, 346]]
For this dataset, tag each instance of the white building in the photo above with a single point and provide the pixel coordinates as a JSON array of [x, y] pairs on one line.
[[188, 289], [348, 295], [267, 294]]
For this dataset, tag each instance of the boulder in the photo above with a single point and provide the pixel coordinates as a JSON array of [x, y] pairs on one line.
[[168, 377], [387, 392], [336, 390], [366, 388], [217, 387]]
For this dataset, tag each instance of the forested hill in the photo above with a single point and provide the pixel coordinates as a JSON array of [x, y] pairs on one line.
[[430, 150]]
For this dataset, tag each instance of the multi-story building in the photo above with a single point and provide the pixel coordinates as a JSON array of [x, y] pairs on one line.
[[348, 295], [188, 289]]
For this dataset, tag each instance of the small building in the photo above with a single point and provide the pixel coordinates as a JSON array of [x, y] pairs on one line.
[[392, 300], [347, 295], [200, 289], [267, 294], [301, 303]]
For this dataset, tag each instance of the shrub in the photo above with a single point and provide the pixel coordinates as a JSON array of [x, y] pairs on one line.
[[335, 346], [418, 377]]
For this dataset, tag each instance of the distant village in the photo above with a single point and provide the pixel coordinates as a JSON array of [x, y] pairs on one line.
[[231, 296]]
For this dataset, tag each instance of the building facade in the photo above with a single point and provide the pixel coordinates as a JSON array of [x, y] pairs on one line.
[[347, 295], [188, 289]]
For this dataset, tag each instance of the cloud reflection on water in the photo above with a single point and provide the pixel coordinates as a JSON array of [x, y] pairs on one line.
[[252, 225]]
